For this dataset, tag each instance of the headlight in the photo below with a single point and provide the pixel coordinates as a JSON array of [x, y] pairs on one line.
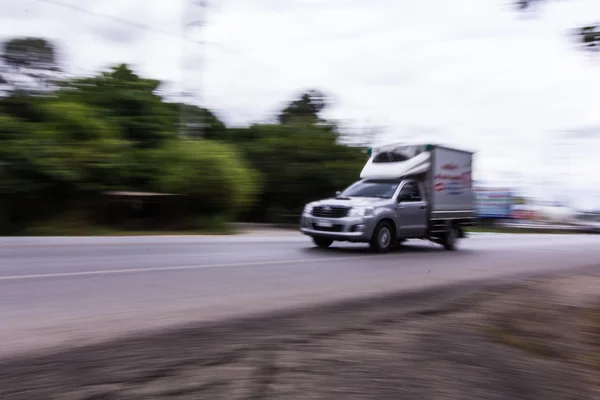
[[307, 209], [361, 212]]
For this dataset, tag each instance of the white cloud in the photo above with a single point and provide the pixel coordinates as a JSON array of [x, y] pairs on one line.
[[471, 73]]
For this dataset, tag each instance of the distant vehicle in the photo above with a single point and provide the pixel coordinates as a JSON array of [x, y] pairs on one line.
[[556, 214], [404, 192], [588, 222], [524, 212], [593, 226]]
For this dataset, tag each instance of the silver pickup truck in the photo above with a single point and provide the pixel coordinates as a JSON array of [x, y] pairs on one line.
[[405, 192]]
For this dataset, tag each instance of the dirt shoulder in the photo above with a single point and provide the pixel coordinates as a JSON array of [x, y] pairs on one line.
[[536, 339]]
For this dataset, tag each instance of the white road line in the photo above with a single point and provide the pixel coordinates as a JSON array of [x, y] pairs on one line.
[[180, 268], [200, 241]]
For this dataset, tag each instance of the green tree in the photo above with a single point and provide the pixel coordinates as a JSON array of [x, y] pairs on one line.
[[21, 105], [307, 107], [48, 167], [587, 36], [197, 122], [141, 169], [128, 102], [18, 174], [299, 162], [72, 151], [77, 149], [112, 131], [30, 64], [18, 177]]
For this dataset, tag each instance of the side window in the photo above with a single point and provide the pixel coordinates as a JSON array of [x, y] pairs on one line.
[[411, 189], [416, 192]]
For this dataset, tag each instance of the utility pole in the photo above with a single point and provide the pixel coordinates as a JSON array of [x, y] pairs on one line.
[[193, 20]]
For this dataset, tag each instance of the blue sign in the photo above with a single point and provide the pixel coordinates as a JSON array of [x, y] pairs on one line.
[[493, 204]]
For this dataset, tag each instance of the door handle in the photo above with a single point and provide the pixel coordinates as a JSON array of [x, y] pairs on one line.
[[422, 207]]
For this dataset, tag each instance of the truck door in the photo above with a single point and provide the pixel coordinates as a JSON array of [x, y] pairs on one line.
[[412, 210]]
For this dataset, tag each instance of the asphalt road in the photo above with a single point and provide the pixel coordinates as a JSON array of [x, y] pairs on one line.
[[56, 291]]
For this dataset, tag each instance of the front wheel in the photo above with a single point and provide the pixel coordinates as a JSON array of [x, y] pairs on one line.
[[383, 239], [323, 243]]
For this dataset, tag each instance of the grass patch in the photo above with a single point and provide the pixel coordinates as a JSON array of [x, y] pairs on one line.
[[520, 230], [46, 230], [592, 336], [75, 224], [549, 331], [510, 336]]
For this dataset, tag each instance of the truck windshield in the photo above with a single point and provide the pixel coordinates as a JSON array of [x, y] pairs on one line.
[[384, 189], [398, 154]]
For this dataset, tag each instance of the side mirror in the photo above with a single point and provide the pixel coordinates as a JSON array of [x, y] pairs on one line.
[[337, 193]]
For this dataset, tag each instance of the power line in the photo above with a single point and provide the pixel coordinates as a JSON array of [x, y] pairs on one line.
[[133, 24], [148, 28], [114, 18], [197, 22]]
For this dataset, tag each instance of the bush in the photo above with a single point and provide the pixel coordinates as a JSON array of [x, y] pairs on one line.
[[213, 175]]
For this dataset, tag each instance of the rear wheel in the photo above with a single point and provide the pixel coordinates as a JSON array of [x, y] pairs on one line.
[[383, 239], [322, 242], [451, 237]]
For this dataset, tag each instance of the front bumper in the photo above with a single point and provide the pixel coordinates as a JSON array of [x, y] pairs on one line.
[[347, 229]]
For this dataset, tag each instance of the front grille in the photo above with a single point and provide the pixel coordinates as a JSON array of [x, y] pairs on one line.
[[335, 228], [330, 211]]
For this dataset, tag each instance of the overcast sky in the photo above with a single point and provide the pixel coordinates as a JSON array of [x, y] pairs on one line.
[[469, 73]]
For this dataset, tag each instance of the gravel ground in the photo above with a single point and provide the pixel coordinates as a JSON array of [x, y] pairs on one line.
[[538, 339]]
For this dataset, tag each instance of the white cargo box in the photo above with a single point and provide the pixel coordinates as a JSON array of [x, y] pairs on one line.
[[447, 174], [450, 181], [396, 160]]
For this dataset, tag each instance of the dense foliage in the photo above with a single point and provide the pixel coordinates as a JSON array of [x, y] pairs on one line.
[[63, 149]]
